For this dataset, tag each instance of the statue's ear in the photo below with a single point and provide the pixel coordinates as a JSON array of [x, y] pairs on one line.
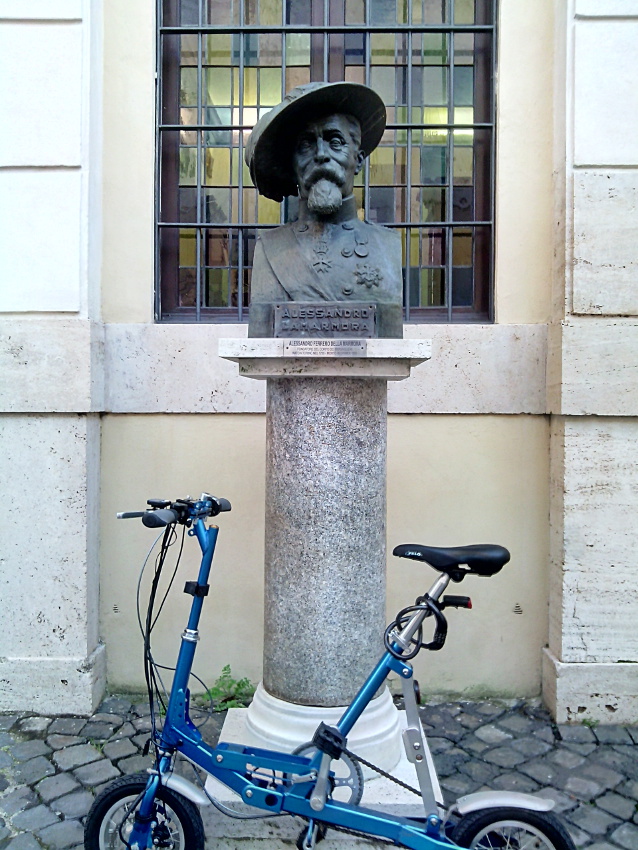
[[360, 160]]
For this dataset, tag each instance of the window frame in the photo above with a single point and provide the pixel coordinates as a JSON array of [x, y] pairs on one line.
[[321, 31]]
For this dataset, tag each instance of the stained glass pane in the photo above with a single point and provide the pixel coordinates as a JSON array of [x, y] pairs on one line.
[[464, 85], [217, 166], [219, 12], [433, 200], [463, 48], [462, 248], [462, 203], [297, 48], [270, 12], [298, 12], [435, 85], [217, 86], [433, 247], [216, 49], [463, 11], [187, 287], [382, 166], [270, 92], [382, 48], [354, 43], [188, 87], [296, 77], [432, 288], [188, 205], [463, 165], [216, 287], [187, 248], [188, 49], [434, 48], [382, 80], [433, 164], [189, 12], [188, 165], [383, 12], [267, 211], [217, 248], [462, 287], [433, 11], [355, 11], [270, 49]]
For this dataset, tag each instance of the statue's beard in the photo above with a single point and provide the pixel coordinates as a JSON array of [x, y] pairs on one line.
[[324, 197]]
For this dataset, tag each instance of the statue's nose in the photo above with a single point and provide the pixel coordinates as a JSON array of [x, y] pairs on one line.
[[322, 151]]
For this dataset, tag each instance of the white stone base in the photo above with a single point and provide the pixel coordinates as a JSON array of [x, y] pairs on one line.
[[601, 692], [227, 834], [53, 685], [274, 724]]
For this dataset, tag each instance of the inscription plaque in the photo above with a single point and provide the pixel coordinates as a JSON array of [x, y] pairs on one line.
[[325, 320], [325, 348]]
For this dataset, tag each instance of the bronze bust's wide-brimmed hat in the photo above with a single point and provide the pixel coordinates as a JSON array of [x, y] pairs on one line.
[[269, 148]]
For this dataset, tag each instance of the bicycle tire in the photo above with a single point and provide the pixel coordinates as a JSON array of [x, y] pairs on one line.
[[503, 829], [180, 824]]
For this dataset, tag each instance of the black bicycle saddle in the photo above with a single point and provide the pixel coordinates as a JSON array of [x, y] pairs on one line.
[[481, 559]]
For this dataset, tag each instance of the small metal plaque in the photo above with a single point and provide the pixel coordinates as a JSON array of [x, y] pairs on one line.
[[325, 348], [325, 320]]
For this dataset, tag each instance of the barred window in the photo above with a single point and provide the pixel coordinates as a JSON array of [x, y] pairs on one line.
[[224, 63]]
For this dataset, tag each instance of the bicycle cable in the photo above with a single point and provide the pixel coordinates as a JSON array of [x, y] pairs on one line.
[[233, 813]]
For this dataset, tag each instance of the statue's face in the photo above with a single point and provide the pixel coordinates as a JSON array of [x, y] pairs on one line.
[[326, 149]]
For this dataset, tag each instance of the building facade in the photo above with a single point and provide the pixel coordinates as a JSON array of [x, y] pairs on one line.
[[521, 430]]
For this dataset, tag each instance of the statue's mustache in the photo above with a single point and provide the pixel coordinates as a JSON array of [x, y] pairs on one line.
[[324, 172]]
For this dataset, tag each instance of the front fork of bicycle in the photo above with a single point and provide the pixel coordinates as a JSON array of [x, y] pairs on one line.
[[177, 710]]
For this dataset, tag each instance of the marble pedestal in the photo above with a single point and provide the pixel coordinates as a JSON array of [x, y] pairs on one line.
[[325, 535]]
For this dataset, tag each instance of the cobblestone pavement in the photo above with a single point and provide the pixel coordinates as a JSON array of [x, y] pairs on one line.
[[51, 768]]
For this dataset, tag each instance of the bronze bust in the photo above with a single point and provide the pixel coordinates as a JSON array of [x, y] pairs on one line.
[[313, 144]]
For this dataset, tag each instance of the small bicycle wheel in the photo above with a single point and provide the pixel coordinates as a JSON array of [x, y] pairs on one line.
[[177, 822], [511, 829]]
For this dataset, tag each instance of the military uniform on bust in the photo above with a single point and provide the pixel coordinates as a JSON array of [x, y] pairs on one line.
[[327, 255]]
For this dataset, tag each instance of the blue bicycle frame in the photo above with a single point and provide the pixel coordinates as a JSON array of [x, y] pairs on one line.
[[234, 764]]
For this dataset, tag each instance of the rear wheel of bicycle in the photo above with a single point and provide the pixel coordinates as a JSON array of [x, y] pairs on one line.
[[511, 829], [178, 824]]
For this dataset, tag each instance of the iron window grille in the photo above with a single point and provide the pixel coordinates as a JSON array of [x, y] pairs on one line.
[[223, 63]]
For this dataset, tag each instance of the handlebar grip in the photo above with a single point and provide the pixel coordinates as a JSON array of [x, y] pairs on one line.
[[156, 519], [130, 514], [224, 505]]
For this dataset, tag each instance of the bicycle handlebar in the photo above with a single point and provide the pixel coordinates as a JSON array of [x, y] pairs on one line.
[[163, 512], [158, 518]]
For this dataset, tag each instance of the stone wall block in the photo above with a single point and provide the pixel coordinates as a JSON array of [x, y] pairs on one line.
[[605, 92], [40, 261], [44, 64], [606, 693], [598, 369], [51, 366], [606, 8], [474, 369], [49, 648], [599, 583], [605, 278]]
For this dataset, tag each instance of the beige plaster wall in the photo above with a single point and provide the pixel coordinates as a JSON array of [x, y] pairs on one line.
[[452, 480], [524, 199]]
